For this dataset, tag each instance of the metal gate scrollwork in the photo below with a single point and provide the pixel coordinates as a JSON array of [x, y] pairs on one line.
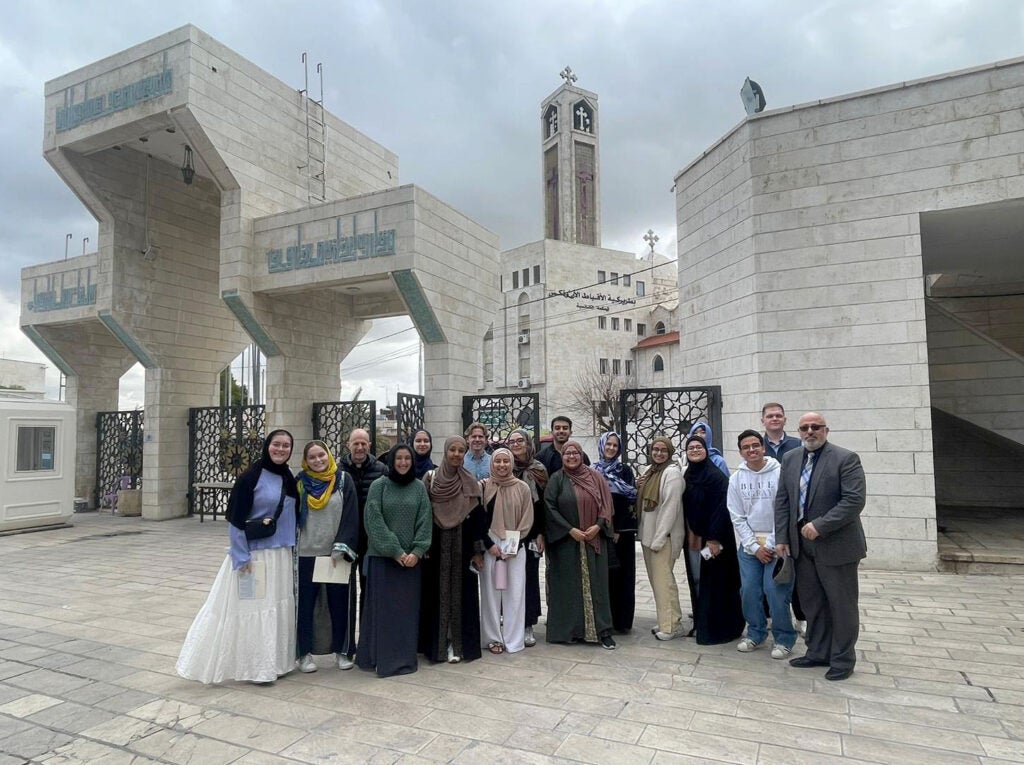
[[334, 420], [503, 414], [648, 412], [223, 441], [411, 416], [118, 454]]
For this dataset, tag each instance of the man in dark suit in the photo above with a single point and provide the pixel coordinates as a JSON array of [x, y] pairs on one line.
[[817, 521]]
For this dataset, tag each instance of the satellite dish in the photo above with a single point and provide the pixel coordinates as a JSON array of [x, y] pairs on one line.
[[752, 97]]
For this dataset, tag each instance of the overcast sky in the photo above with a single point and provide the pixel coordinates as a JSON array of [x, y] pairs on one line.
[[454, 89]]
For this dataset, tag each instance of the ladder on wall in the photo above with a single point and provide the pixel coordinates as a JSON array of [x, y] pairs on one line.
[[316, 137]]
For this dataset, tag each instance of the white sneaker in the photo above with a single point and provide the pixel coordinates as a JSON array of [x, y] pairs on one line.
[[669, 635], [781, 652], [306, 664], [343, 661], [747, 645]]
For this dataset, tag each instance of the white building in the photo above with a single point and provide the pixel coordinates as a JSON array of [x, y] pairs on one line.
[[860, 256], [571, 311], [28, 377]]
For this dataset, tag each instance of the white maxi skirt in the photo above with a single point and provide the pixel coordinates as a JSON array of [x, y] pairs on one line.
[[235, 639]]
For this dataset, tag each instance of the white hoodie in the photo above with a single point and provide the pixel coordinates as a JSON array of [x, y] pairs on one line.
[[751, 503]]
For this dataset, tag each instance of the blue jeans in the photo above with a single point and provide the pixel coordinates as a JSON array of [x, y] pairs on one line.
[[756, 581]]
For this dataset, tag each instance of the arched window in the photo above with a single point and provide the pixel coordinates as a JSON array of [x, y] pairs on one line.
[[487, 351], [659, 364], [659, 328], [583, 117], [524, 312], [551, 121]]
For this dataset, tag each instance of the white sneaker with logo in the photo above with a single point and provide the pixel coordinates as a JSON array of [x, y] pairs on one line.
[[747, 645]]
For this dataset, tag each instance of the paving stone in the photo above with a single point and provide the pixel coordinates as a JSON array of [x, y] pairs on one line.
[[92, 695], [28, 705], [33, 741]]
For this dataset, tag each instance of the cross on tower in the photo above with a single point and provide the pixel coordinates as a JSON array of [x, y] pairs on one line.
[[651, 238], [567, 75]]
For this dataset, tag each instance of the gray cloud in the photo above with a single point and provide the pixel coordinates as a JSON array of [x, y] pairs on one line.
[[455, 88]]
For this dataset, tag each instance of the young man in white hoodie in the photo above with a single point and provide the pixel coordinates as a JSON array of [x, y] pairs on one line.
[[751, 502]]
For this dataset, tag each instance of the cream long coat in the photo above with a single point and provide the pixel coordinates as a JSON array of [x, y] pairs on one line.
[[665, 524]]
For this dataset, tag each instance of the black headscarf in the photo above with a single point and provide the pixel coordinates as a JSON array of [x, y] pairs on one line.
[[240, 501], [401, 478], [422, 464], [704, 498]]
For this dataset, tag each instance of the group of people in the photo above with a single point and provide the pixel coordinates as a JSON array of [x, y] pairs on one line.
[[446, 557]]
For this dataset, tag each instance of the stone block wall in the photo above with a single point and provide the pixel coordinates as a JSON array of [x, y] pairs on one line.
[[801, 277]]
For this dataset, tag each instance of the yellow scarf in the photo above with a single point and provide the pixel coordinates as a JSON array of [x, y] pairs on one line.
[[316, 488]]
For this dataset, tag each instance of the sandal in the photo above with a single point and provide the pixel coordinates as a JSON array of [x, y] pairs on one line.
[[496, 648]]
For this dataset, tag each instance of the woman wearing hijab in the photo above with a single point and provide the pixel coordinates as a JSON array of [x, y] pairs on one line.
[[579, 530], [246, 628], [328, 528], [422, 446], [508, 516], [450, 607], [703, 430], [397, 521], [663, 534], [712, 567], [622, 572], [530, 470]]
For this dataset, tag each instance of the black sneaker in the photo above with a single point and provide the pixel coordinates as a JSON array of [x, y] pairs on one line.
[[608, 642]]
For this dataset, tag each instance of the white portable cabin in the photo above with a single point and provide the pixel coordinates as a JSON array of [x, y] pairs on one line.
[[37, 454]]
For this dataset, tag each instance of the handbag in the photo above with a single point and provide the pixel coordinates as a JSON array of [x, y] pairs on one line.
[[261, 528]]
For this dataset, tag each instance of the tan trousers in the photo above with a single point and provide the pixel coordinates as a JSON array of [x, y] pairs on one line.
[[663, 584]]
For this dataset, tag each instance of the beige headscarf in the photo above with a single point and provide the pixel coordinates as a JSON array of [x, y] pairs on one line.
[[650, 484], [454, 492], [513, 503]]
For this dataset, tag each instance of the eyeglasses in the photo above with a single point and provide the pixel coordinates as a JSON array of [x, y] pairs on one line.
[[517, 440], [812, 426], [695, 448], [573, 453], [751, 448], [659, 450]]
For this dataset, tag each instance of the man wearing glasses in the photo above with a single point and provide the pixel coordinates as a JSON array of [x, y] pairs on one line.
[[751, 500], [817, 521]]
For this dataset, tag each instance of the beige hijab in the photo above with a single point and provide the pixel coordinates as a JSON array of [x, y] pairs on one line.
[[513, 502], [454, 492]]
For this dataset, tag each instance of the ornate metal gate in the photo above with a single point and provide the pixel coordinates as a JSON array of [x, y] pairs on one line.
[[503, 414], [118, 454], [222, 442], [334, 420], [410, 416], [647, 412]]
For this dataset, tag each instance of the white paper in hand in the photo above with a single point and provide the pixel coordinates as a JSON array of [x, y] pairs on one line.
[[323, 571], [253, 585]]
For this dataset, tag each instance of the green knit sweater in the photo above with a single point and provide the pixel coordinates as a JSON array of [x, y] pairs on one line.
[[397, 518]]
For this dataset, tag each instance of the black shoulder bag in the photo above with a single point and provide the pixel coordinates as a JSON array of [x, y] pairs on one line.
[[261, 528]]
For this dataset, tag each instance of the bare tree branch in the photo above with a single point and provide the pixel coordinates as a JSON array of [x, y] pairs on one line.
[[595, 396]]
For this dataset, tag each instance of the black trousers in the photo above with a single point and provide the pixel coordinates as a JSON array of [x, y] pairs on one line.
[[338, 605]]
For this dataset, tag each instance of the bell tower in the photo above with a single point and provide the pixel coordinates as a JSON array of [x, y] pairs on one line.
[[571, 164]]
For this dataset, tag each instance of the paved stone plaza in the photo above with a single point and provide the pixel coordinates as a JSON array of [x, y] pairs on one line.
[[92, 617]]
